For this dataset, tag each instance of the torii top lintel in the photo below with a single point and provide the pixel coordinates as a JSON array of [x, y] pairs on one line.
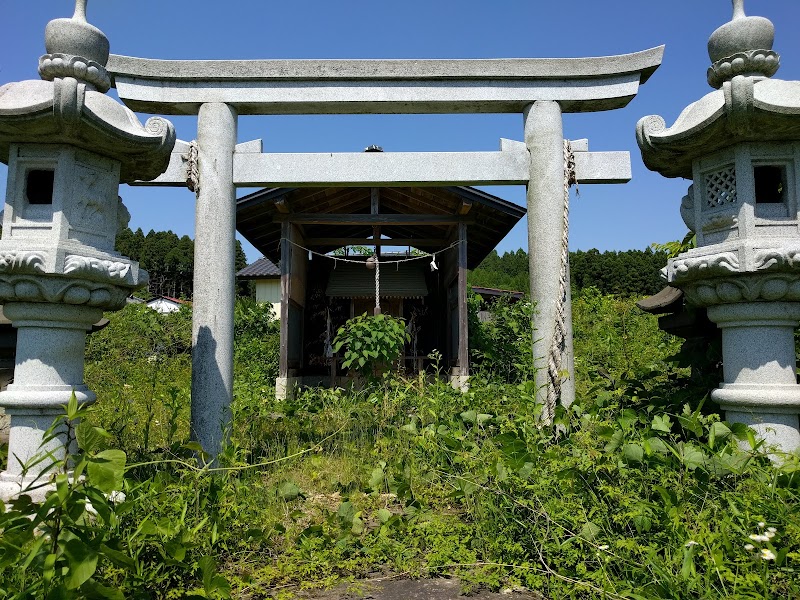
[[267, 87]]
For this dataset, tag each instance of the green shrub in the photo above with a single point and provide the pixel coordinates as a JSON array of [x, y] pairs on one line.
[[501, 347], [371, 343]]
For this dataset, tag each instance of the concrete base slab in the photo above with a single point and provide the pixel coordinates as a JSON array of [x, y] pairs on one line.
[[460, 383], [12, 486], [285, 387], [405, 589]]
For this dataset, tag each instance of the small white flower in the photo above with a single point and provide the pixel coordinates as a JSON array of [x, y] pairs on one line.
[[749, 547], [116, 497], [691, 543], [603, 547], [761, 523], [757, 537], [767, 554], [770, 534], [772, 530]]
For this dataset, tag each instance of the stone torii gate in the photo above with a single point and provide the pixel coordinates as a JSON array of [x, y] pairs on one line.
[[219, 91]]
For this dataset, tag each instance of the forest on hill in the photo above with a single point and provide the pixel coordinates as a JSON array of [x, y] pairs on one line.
[[168, 259], [623, 273]]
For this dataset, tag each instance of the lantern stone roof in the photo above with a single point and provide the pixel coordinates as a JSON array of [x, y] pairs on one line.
[[69, 105], [748, 106]]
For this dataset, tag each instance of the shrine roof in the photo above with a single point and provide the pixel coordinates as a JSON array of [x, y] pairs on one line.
[[489, 219]]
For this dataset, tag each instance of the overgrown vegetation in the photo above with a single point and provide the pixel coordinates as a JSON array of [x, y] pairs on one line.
[[639, 491]]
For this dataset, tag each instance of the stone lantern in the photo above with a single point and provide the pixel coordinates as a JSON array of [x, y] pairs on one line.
[[740, 146], [68, 146]]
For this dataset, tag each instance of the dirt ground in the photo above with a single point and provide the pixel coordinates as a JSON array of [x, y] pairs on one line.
[[406, 589]]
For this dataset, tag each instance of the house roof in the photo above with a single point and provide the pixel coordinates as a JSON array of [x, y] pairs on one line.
[[168, 299], [263, 268], [488, 218], [485, 292]]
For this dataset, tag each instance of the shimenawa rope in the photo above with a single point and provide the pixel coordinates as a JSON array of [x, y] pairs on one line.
[[560, 330]]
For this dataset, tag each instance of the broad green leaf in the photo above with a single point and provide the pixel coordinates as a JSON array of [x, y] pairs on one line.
[[376, 479], [483, 418], [718, 430], [688, 569], [633, 452], [288, 490], [661, 423], [384, 515], [469, 416], [410, 427], [590, 531], [106, 470], [346, 511], [655, 445], [616, 441], [118, 558], [90, 438], [82, 562], [358, 525], [92, 589], [692, 457]]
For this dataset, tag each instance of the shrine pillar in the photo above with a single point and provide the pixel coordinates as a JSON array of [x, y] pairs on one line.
[[214, 277], [544, 138]]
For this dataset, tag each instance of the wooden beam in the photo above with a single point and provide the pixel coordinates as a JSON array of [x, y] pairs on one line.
[[286, 279], [465, 207], [375, 201], [362, 241], [463, 330], [362, 219]]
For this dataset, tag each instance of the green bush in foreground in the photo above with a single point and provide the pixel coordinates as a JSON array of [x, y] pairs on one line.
[[639, 491]]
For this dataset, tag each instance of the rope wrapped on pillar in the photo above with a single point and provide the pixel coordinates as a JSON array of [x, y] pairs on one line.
[[561, 330]]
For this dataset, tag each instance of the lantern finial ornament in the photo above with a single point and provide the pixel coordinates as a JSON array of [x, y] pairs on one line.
[[738, 9], [80, 11]]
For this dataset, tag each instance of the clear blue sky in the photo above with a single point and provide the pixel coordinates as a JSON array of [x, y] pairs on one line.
[[604, 217]]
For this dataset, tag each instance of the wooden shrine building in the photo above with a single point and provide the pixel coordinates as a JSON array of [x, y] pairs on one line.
[[304, 231]]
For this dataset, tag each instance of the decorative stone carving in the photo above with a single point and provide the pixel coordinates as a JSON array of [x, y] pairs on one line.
[[777, 258], [52, 66], [687, 209], [683, 269], [26, 288], [744, 288], [98, 269], [20, 261], [719, 223], [762, 62]]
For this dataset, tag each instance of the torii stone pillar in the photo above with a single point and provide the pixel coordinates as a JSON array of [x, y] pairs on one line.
[[215, 283], [544, 137]]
